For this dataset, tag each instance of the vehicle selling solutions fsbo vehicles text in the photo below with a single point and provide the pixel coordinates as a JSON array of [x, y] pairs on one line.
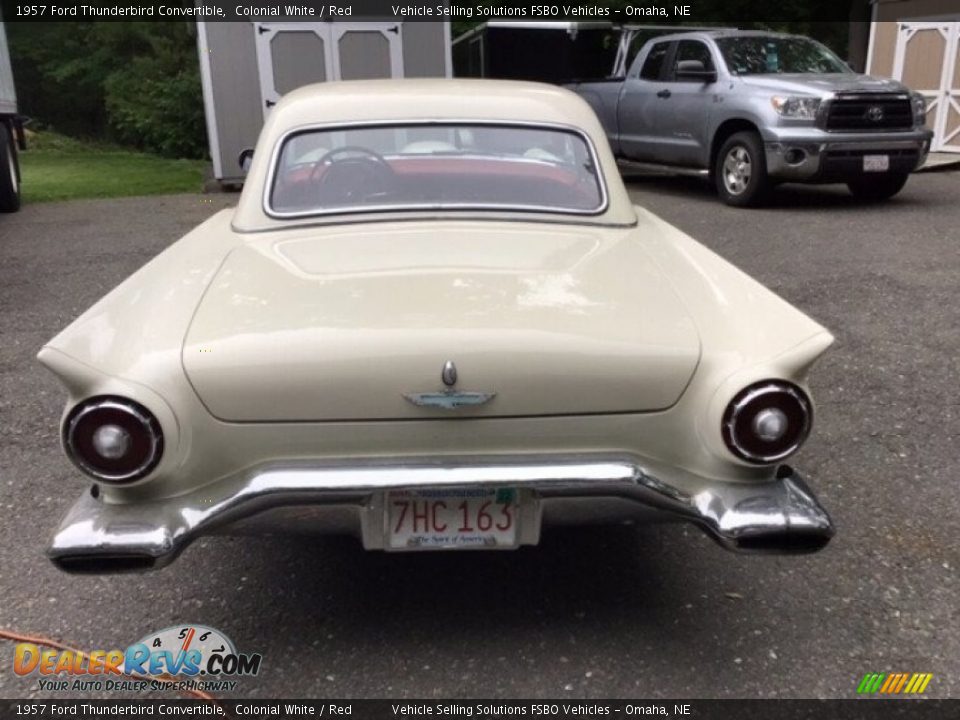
[[500, 11]]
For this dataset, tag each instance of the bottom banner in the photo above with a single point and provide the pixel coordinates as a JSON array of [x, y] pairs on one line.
[[483, 709]]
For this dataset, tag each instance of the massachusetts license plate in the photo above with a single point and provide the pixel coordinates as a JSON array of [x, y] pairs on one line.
[[876, 163], [444, 519]]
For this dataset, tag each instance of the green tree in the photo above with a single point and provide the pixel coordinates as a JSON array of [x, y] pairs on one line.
[[155, 101], [51, 88], [137, 83]]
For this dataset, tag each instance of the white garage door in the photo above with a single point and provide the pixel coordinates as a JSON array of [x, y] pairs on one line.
[[926, 60], [290, 55]]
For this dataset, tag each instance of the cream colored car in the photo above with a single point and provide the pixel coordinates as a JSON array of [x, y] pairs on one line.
[[435, 321]]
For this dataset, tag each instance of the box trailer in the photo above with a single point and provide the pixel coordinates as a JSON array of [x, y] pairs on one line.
[[11, 132], [245, 68], [552, 51], [548, 51]]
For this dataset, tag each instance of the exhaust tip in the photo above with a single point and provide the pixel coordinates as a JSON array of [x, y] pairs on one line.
[[104, 564], [793, 543]]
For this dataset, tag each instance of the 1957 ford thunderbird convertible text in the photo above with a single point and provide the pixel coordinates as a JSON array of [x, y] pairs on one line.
[[434, 321]]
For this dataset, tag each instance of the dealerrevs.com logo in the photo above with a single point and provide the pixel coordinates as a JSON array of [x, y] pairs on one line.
[[185, 657]]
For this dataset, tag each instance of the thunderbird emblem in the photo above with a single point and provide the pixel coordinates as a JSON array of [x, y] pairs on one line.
[[449, 399]]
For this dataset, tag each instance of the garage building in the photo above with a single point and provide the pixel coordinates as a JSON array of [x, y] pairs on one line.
[[918, 43], [246, 67]]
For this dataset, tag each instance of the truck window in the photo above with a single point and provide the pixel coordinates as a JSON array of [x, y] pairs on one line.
[[653, 65], [771, 54], [693, 50], [638, 38]]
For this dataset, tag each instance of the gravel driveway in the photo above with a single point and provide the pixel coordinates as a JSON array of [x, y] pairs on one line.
[[608, 612]]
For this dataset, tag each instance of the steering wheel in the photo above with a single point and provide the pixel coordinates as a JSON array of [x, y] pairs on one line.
[[347, 180]]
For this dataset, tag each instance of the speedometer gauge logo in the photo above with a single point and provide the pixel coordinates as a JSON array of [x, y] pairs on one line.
[[189, 650], [196, 640]]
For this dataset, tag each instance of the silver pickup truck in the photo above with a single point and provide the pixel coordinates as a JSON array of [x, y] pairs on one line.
[[753, 109]]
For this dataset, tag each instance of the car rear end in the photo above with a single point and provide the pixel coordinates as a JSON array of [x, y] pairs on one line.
[[689, 413], [444, 372]]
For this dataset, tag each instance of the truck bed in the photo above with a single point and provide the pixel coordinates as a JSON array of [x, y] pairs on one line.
[[602, 95]]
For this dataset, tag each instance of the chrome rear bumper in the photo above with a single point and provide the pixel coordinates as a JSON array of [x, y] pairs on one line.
[[779, 515]]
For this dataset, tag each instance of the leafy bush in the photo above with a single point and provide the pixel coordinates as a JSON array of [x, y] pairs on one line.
[[155, 103], [137, 83]]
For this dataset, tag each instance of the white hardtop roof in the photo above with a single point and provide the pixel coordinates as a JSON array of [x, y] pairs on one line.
[[417, 101], [440, 100]]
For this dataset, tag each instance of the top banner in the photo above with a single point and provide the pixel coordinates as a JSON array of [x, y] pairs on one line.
[[623, 12]]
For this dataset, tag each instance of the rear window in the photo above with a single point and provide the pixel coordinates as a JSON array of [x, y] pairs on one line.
[[436, 166]]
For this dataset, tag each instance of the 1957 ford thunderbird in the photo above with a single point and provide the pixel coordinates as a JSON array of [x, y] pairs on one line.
[[435, 321]]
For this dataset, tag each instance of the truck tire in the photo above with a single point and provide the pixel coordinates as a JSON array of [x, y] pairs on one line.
[[877, 189], [9, 181], [740, 172]]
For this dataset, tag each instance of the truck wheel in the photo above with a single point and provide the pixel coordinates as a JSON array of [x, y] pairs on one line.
[[741, 170], [9, 184], [879, 188]]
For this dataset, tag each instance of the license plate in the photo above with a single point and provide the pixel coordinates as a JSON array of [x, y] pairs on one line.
[[452, 519], [876, 163]]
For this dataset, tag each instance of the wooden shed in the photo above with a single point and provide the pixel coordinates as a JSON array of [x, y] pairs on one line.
[[246, 66], [918, 43]]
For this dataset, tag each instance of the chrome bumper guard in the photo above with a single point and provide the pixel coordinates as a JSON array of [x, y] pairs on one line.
[[780, 515]]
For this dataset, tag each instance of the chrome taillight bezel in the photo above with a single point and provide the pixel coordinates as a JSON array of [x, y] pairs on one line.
[[778, 394], [144, 428]]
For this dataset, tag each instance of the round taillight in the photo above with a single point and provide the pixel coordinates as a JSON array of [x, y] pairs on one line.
[[767, 421], [113, 439]]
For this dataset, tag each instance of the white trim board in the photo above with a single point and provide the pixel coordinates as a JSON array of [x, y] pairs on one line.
[[206, 82]]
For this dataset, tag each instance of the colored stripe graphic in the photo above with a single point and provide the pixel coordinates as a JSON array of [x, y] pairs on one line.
[[865, 684], [891, 680], [870, 683], [894, 683], [901, 683]]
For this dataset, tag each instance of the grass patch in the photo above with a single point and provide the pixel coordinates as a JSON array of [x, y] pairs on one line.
[[61, 168]]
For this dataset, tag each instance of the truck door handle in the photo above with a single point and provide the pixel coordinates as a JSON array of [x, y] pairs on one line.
[[663, 93]]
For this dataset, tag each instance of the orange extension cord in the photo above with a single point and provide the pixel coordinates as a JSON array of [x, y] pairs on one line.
[[46, 642]]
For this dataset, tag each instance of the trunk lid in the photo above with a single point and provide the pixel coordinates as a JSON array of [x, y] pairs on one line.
[[344, 323]]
